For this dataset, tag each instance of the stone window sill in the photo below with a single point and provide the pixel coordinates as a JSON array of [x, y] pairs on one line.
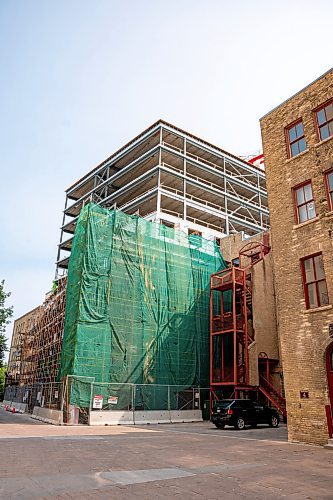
[[297, 156], [305, 223], [324, 141], [317, 309]]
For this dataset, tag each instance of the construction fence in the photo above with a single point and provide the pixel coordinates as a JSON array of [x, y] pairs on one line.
[[27, 397], [79, 400]]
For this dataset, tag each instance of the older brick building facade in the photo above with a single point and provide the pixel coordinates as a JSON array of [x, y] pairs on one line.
[[298, 147]]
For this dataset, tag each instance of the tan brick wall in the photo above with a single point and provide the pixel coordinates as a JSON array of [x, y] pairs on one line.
[[303, 333]]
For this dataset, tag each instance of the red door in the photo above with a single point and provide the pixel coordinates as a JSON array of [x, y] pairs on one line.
[[329, 367]]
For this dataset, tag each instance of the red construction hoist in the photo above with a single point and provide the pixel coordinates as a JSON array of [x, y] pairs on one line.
[[231, 331]]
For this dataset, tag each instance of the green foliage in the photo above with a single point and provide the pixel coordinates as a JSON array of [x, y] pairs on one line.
[[54, 287], [5, 314], [2, 379]]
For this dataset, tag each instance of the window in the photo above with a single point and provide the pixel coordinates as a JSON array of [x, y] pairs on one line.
[[324, 116], [304, 203], [329, 188], [314, 281], [296, 139]]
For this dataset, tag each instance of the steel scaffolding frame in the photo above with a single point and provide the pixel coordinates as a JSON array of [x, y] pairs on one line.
[[41, 345], [168, 175]]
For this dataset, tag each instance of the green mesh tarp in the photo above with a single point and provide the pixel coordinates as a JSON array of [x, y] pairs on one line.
[[137, 306]]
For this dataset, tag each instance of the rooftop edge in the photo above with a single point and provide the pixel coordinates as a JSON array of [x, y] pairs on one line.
[[151, 127], [298, 92]]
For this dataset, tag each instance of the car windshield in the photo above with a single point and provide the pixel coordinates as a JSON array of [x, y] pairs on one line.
[[223, 404]]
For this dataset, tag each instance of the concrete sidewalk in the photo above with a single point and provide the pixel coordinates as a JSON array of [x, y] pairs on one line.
[[16, 425]]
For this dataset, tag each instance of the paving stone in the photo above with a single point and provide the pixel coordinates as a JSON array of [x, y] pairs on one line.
[[181, 460]]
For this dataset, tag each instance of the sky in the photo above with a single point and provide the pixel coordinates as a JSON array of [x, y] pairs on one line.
[[80, 78]]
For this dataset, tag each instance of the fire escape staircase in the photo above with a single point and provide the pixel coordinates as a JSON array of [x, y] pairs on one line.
[[266, 388], [235, 321]]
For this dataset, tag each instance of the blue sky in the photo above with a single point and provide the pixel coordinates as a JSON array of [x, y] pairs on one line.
[[81, 78]]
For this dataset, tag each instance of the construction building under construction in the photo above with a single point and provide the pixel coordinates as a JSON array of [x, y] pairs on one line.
[[170, 176], [167, 260]]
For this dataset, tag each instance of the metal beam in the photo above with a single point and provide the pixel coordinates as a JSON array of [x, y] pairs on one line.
[[116, 176], [115, 158], [134, 183], [218, 172], [140, 199], [218, 213], [212, 150], [215, 191]]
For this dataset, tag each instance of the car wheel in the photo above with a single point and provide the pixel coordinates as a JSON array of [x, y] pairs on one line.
[[240, 424], [274, 421], [220, 426]]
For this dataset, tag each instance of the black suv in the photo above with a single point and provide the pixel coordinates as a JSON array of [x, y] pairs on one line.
[[242, 412]]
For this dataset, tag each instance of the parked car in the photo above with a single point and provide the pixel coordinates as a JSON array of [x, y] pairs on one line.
[[241, 412]]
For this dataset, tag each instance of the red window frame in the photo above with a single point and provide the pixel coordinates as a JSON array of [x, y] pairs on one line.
[[329, 191], [297, 206], [314, 282], [325, 123], [296, 140]]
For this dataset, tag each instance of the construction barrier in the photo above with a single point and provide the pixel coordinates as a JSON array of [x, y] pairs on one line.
[[47, 415], [14, 406], [108, 417]]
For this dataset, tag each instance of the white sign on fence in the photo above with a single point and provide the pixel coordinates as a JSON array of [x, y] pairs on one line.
[[98, 402], [56, 394], [112, 400]]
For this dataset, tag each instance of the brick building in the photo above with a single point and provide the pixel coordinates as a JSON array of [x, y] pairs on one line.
[[21, 328], [298, 147]]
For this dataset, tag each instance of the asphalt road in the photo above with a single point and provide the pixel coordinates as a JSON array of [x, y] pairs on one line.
[[187, 461]]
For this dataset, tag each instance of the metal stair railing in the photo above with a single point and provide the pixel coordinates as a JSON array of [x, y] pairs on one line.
[[270, 393], [271, 388], [272, 400]]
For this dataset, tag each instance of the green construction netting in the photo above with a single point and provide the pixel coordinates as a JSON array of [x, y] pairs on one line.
[[137, 306]]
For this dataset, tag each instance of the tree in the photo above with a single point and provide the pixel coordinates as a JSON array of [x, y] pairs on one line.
[[2, 380], [5, 314]]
